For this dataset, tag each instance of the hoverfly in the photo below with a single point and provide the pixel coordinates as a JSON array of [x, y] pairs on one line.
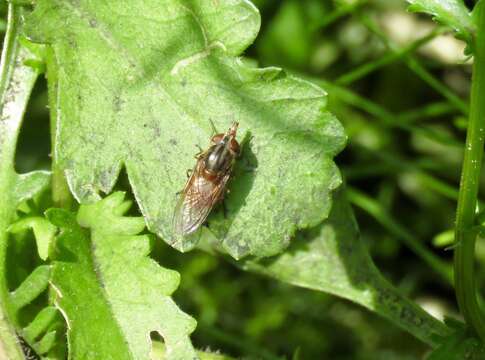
[[206, 185]]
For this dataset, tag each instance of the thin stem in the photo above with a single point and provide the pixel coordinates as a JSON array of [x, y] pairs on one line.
[[467, 199], [395, 164], [427, 111], [385, 117], [371, 206], [381, 114], [337, 14], [418, 69], [387, 59], [437, 85], [16, 83], [61, 195]]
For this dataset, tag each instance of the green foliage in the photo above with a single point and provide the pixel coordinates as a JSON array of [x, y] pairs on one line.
[[159, 352], [459, 345], [38, 323], [452, 13], [30, 184], [331, 258], [16, 82], [457, 348], [465, 229], [110, 292], [151, 97], [44, 232], [291, 35], [44, 333], [135, 85]]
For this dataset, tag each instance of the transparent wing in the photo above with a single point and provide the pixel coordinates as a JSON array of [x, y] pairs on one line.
[[197, 200]]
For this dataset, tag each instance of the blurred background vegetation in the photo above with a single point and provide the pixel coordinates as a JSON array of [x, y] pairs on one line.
[[399, 84]]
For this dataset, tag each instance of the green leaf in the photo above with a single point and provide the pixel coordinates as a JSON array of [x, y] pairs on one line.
[[41, 323], [31, 287], [26, 293], [139, 84], [452, 13], [459, 345], [44, 232], [16, 84], [43, 331], [111, 294], [159, 353], [331, 258], [476, 10], [47, 342], [30, 184]]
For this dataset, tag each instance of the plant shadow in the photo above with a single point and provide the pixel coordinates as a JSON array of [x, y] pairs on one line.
[[238, 188]]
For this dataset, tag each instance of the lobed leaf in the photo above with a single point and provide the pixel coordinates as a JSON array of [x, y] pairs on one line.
[[111, 294], [31, 287], [41, 323], [452, 13], [139, 83], [43, 331], [16, 84], [29, 184], [44, 232]]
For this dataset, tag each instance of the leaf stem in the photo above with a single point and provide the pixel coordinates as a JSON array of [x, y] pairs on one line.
[[467, 199], [374, 208], [386, 118], [61, 195], [413, 64], [387, 59], [341, 11], [16, 83]]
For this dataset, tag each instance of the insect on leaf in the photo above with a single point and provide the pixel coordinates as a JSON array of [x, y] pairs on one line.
[[140, 90]]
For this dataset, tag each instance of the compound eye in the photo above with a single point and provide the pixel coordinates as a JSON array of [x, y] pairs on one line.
[[216, 139], [235, 146]]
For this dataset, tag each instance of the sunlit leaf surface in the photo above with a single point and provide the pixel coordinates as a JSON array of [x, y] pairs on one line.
[[111, 294], [140, 90], [452, 13]]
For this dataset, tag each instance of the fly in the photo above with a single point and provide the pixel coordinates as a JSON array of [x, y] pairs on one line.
[[206, 185]]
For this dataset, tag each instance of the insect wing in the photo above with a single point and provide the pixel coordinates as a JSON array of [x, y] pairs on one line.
[[197, 200]]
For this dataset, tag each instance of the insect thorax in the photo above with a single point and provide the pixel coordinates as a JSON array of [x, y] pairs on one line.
[[218, 158]]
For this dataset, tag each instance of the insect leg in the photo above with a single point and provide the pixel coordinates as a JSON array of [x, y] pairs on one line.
[[213, 127], [201, 151], [189, 172]]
